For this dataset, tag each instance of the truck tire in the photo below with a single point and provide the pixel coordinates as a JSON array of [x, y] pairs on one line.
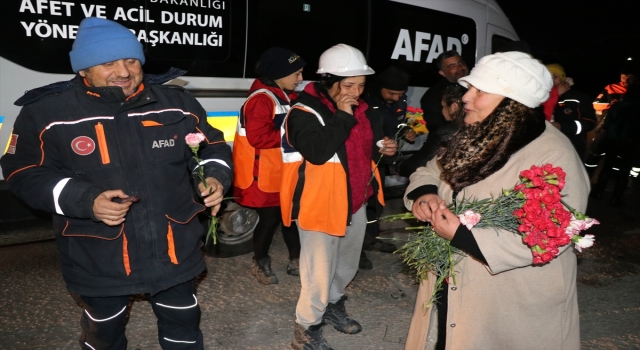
[[234, 233]]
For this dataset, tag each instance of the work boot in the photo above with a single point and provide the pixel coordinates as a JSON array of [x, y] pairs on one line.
[[262, 270], [336, 315], [381, 246], [293, 267], [309, 339], [365, 263]]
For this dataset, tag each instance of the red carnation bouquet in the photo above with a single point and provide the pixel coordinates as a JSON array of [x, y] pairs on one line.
[[533, 208], [546, 221], [415, 120]]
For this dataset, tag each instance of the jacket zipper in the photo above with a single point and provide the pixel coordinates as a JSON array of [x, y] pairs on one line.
[[102, 144]]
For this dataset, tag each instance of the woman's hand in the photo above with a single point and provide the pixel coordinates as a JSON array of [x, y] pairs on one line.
[[346, 103], [431, 208], [424, 206], [389, 147], [445, 222]]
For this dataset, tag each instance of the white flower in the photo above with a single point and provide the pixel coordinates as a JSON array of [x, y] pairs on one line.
[[584, 242]]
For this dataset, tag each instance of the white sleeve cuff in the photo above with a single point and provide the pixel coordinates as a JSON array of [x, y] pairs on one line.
[[56, 193], [203, 162]]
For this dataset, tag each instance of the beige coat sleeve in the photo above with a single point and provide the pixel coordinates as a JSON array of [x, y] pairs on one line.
[[426, 175]]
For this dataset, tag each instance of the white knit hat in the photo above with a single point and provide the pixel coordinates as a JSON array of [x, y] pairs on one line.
[[513, 74]]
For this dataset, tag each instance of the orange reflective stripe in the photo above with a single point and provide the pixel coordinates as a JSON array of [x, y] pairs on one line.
[[380, 183], [150, 123], [616, 89], [171, 246], [102, 144], [125, 254], [19, 170]]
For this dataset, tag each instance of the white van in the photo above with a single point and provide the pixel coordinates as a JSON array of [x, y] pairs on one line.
[[219, 41]]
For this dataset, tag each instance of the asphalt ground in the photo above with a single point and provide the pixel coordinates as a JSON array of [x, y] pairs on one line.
[[37, 312]]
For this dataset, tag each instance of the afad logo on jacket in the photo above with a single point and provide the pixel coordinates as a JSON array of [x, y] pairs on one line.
[[83, 145]]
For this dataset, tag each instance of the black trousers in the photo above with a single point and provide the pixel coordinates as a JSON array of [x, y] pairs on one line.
[[373, 227], [620, 155], [270, 219], [103, 319]]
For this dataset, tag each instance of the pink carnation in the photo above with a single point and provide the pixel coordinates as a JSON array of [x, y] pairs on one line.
[[193, 140], [469, 218]]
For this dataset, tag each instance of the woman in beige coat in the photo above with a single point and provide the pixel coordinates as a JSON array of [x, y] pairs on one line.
[[500, 300]]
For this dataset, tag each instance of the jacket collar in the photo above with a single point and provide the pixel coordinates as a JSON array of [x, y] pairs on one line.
[[257, 84]]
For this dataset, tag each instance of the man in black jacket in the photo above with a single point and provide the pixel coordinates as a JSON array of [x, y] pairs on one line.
[[387, 101], [452, 67], [573, 115], [388, 95], [106, 147]]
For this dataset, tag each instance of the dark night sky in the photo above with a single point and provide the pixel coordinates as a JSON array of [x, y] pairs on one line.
[[592, 40]]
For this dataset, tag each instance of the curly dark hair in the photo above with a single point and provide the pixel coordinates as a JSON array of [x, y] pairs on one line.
[[480, 149], [453, 94]]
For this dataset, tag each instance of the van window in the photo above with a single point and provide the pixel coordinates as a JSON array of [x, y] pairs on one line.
[[497, 41], [412, 37], [307, 27], [194, 35]]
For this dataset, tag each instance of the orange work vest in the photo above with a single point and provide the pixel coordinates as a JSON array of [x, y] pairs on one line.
[[318, 200], [244, 155]]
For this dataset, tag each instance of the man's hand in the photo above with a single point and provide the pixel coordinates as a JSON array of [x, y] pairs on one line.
[[109, 212], [212, 195], [410, 135], [389, 147]]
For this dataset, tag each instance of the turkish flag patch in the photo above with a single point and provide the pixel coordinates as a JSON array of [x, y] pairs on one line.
[[83, 145], [12, 144]]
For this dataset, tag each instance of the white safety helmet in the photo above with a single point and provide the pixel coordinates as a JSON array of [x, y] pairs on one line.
[[344, 61]]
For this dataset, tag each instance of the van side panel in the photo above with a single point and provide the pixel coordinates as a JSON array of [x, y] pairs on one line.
[[412, 37]]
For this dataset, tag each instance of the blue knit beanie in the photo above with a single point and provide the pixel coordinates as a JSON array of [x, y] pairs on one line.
[[100, 41]]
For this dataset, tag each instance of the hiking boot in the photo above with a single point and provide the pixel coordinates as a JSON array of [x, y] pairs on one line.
[[262, 270], [365, 263], [381, 246], [336, 315], [293, 267], [309, 339]]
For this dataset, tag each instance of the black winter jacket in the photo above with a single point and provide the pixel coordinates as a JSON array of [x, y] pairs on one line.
[[392, 115], [75, 141], [428, 149], [576, 116]]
